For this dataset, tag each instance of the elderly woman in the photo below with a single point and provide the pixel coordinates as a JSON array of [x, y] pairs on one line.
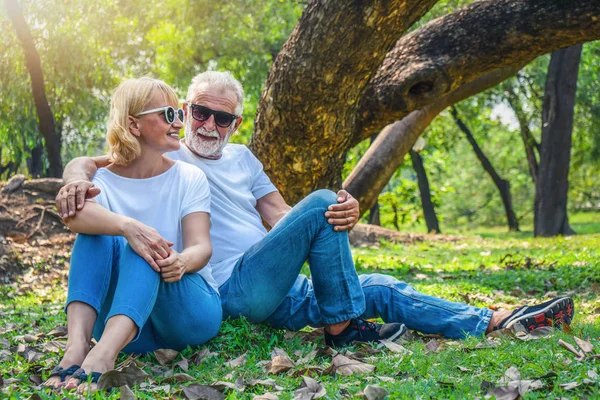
[[139, 279]]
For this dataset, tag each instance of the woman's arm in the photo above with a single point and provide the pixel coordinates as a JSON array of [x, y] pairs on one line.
[[197, 248], [94, 219]]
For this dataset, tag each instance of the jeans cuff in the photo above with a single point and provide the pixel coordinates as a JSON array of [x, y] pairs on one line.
[[83, 297], [341, 317], [483, 324], [131, 314]]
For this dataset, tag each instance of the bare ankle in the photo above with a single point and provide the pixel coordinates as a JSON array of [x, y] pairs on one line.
[[336, 329], [497, 318]]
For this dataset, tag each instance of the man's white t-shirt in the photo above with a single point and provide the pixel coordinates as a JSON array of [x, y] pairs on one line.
[[160, 202], [236, 181]]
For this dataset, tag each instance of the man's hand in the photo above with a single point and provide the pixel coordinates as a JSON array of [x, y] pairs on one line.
[[173, 267], [147, 243], [71, 197], [343, 215]]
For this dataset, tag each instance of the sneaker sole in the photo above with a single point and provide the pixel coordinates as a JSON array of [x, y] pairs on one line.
[[554, 314]]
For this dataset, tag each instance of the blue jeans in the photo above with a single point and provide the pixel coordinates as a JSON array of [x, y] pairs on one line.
[[113, 279], [265, 285]]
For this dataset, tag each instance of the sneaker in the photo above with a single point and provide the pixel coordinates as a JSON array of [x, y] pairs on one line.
[[554, 312], [360, 330]]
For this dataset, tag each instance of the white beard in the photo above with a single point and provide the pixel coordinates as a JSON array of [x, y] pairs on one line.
[[203, 147]]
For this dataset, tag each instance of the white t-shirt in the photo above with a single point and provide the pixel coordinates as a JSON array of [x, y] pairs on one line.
[[236, 181], [160, 202]]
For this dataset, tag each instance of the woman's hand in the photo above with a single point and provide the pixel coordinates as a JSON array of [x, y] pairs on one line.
[[147, 243], [173, 267]]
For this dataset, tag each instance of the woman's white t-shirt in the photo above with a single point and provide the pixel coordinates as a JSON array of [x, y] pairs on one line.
[[160, 202]]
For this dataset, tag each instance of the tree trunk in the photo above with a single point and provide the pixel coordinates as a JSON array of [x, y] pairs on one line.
[[374, 215], [33, 63], [529, 142], [35, 164], [552, 185], [502, 184], [377, 166], [308, 106], [431, 220]]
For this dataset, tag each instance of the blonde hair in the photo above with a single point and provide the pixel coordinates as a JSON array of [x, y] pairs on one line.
[[130, 98]]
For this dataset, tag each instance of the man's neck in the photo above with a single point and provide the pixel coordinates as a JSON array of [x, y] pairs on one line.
[[201, 156]]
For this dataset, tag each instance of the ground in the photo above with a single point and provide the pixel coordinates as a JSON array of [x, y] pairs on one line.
[[488, 269]]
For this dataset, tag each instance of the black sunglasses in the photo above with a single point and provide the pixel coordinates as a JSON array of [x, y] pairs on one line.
[[169, 111], [222, 118]]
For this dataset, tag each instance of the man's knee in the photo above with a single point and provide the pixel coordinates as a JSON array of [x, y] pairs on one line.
[[322, 198]]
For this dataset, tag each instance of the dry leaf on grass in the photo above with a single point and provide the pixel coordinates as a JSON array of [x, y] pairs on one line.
[[511, 374], [237, 362], [177, 378], [463, 369], [183, 364], [345, 366], [578, 354], [395, 347], [165, 356], [202, 392], [373, 392], [309, 371], [586, 347], [53, 346], [130, 376], [434, 346], [266, 396], [201, 355], [309, 389], [264, 382], [221, 386], [503, 393], [126, 393], [59, 331], [280, 362]]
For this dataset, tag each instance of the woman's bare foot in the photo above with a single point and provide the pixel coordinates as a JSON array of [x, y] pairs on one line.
[[74, 354], [96, 361]]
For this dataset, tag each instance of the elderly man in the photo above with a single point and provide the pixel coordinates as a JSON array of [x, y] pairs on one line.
[[258, 272]]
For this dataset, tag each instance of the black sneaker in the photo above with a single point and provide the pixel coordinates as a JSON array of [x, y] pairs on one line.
[[360, 330], [553, 312]]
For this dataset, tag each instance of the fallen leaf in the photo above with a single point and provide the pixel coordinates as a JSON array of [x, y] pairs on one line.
[[503, 393], [586, 347], [202, 392], [59, 331], [201, 355], [263, 382], [280, 362], [463, 369], [579, 355], [309, 389], [177, 378], [433, 346], [35, 379], [345, 366], [374, 392], [386, 379], [183, 364], [30, 338], [221, 386], [569, 386], [165, 356], [266, 396], [238, 362], [308, 358], [53, 346], [310, 371], [126, 393], [511, 374], [395, 347], [34, 356], [129, 375], [592, 374]]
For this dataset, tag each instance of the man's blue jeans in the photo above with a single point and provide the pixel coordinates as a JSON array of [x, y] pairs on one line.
[[265, 285], [113, 279]]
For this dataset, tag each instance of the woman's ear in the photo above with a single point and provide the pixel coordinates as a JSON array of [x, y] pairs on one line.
[[134, 126]]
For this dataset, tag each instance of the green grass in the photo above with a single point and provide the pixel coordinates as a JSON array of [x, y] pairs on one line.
[[486, 270]]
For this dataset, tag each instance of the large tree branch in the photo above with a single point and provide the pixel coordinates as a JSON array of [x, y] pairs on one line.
[[446, 53], [314, 86], [387, 152]]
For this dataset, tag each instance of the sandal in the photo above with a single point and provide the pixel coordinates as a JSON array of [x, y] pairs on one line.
[[63, 372]]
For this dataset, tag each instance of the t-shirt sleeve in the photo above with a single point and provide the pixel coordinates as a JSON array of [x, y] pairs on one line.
[[101, 199], [197, 192], [261, 184]]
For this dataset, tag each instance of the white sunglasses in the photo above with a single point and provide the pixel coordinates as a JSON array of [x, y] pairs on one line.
[[170, 113]]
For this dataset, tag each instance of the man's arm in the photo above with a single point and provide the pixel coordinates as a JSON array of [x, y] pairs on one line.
[[78, 186], [344, 215]]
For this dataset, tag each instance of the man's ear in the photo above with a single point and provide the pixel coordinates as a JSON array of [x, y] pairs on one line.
[[134, 126], [185, 109], [238, 122]]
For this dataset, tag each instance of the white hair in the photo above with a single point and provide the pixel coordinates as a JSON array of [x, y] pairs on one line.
[[218, 80]]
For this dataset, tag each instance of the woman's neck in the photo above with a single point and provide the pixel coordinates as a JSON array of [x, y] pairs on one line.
[[147, 165]]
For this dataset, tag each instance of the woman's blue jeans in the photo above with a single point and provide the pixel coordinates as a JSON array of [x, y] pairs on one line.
[[113, 279], [266, 285]]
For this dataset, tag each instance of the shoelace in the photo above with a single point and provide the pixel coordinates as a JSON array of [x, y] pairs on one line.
[[370, 325]]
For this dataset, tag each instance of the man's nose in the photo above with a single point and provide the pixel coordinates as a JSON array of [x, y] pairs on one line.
[[209, 124]]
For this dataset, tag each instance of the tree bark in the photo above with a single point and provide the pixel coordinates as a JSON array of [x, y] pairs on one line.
[[431, 219], [35, 164], [502, 184], [374, 215], [552, 185], [34, 66], [308, 106], [457, 48], [377, 166]]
